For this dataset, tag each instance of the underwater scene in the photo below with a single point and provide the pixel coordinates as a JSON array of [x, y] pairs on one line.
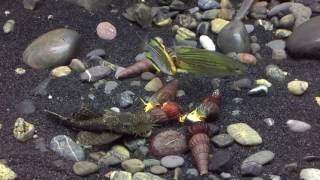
[[160, 90]]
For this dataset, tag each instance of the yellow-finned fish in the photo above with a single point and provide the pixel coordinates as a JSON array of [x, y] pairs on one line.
[[191, 60]]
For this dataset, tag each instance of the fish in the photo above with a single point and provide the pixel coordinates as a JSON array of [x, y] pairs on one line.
[[191, 60]]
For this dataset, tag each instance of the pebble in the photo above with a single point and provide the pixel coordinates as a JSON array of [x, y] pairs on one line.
[[317, 99], [177, 5], [60, 71], [20, 71], [207, 43], [144, 176], [269, 121], [7, 13], [310, 174], [95, 73], [135, 143], [275, 21], [26, 107], [192, 172], [172, 161], [147, 76], [106, 31], [154, 85], [151, 162], [279, 54], [276, 44], [8, 26], [158, 170], [208, 4], [39, 54], [222, 140], [275, 73], [203, 28], [235, 113], [6, 173], [218, 24], [255, 47], [135, 83], [301, 13], [237, 100], [243, 83], [215, 83], [244, 134], [126, 99], [298, 126], [282, 33], [261, 157], [249, 28], [141, 152], [225, 175], [186, 21], [96, 52], [257, 178], [287, 21], [115, 156], [221, 161], [247, 58], [263, 82], [77, 65], [67, 148], [120, 175], [185, 34], [274, 177], [168, 142], [251, 169], [210, 15], [267, 25], [298, 87], [193, 10], [110, 86], [84, 168], [30, 4], [132, 165], [180, 93], [261, 90], [23, 130]]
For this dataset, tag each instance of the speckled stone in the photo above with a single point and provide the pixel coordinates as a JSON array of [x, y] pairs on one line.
[[244, 134], [106, 31]]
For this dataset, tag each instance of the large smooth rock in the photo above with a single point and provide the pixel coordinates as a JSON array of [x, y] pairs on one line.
[[304, 42], [52, 49], [234, 38]]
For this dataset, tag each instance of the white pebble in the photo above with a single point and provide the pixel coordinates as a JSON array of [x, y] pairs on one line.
[[115, 109], [7, 13], [207, 43], [298, 126], [49, 97], [50, 16], [310, 174]]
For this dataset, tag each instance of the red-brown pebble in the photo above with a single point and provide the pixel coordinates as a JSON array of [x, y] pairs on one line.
[[106, 30], [247, 58]]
